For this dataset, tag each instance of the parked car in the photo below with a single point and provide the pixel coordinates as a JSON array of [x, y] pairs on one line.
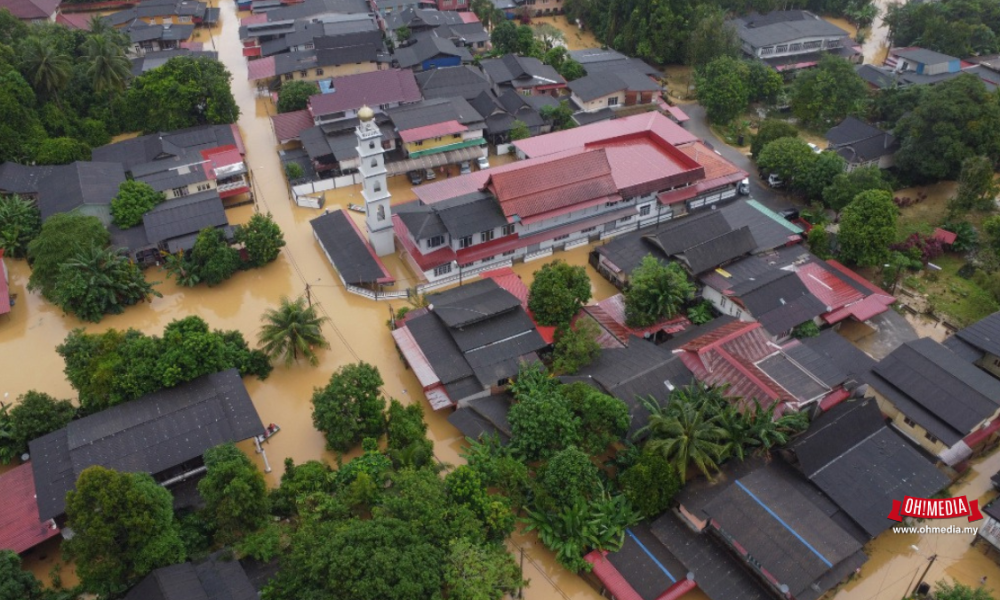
[[483, 163], [464, 168], [774, 181], [430, 175], [789, 214], [416, 177], [744, 187], [816, 149]]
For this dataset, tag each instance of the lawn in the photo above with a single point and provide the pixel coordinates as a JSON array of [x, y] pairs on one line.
[[961, 300]]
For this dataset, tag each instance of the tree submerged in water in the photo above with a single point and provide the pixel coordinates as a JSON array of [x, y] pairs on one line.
[[291, 330]]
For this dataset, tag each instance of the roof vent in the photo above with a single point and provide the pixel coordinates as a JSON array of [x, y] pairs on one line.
[[670, 386]]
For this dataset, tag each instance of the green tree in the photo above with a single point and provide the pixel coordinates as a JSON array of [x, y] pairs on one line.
[[787, 158], [650, 484], [867, 228], [480, 572], [292, 329], [712, 37], [890, 104], [97, 281], [108, 69], [819, 242], [603, 419], [183, 92], [575, 347], [402, 34], [723, 89], [684, 432], [262, 239], [504, 38], [943, 590], [548, 35], [568, 476], [36, 414], [656, 291], [50, 69], [20, 222], [805, 330], [211, 260], [61, 237], [823, 96], [942, 121], [821, 171], [542, 425], [846, 186], [768, 131], [61, 151], [294, 95], [16, 583], [557, 292], [351, 406], [560, 116], [133, 200], [764, 82], [977, 186], [124, 528], [489, 15], [519, 130], [20, 129], [572, 70], [235, 495], [294, 171]]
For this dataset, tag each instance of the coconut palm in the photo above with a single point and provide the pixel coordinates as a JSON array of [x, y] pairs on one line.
[[686, 432], [108, 69], [98, 25], [50, 71], [768, 431], [292, 329]]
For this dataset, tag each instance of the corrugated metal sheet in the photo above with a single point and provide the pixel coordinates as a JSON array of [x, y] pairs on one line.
[[438, 398], [20, 526], [415, 357]]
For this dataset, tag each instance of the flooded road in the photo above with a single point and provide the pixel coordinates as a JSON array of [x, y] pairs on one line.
[[876, 46]]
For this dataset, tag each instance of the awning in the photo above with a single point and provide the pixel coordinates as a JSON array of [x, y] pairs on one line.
[[430, 161], [415, 357], [438, 398]]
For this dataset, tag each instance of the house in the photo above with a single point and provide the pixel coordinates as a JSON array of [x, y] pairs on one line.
[[84, 188], [453, 5], [431, 52], [979, 343], [921, 61], [919, 66], [303, 33], [389, 7], [989, 530], [381, 90], [185, 161], [32, 11], [861, 144], [153, 59], [523, 74], [183, 421], [545, 7], [609, 314], [602, 90], [355, 53], [333, 148], [424, 24], [172, 227], [862, 464], [789, 40], [468, 343], [356, 263], [501, 113], [464, 81], [591, 182], [439, 126], [616, 259], [484, 416], [21, 529], [209, 579], [599, 60], [295, 18], [939, 400], [787, 533], [145, 38], [165, 12]]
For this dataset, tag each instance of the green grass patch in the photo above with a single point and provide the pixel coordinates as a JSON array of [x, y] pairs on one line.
[[960, 299]]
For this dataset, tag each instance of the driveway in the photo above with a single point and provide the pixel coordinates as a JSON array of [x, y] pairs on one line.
[[698, 125], [892, 331]]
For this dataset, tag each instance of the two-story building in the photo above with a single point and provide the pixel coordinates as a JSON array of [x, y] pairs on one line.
[[349, 54], [789, 40], [305, 32], [439, 126], [380, 90], [431, 52], [524, 74], [165, 12]]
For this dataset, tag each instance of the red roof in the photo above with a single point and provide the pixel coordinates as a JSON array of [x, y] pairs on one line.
[[351, 92], [432, 131], [977, 437], [20, 526], [831, 290], [30, 10], [944, 236], [609, 576], [610, 314], [876, 291], [79, 21], [4, 287], [469, 17], [861, 310], [642, 163], [288, 126], [221, 156], [261, 68], [254, 19], [512, 282], [834, 398], [579, 137], [678, 114], [545, 187]]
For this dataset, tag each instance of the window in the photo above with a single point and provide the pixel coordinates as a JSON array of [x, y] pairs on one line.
[[795, 47], [812, 45], [435, 241], [909, 421], [465, 242], [588, 230], [560, 237], [180, 192], [781, 48], [374, 162], [442, 270], [723, 302], [767, 51], [833, 43], [485, 236], [645, 210], [289, 77], [507, 229], [613, 101], [624, 219], [378, 186], [319, 71], [303, 73], [996, 362], [488, 259], [509, 253], [381, 213], [202, 187], [371, 145], [610, 204], [930, 437], [456, 136], [420, 143]]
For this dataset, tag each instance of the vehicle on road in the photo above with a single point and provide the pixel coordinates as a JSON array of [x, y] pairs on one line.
[[430, 175], [744, 187], [483, 163], [464, 168], [789, 214], [774, 181], [416, 177]]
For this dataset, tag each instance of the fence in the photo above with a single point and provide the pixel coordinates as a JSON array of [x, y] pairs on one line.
[[311, 188], [461, 276]]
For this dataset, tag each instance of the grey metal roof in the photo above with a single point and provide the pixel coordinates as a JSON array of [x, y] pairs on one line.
[[645, 563], [473, 425], [158, 146], [924, 56], [520, 71], [428, 48], [674, 237], [719, 250], [67, 187], [783, 26], [863, 465], [782, 303], [467, 304], [827, 371], [151, 434], [351, 255], [984, 334], [952, 391], [857, 141], [431, 112], [791, 376], [627, 251], [470, 214], [502, 360], [491, 331], [359, 46], [311, 8], [598, 85], [211, 579], [440, 349], [153, 60], [768, 228], [963, 349], [840, 354], [422, 222], [447, 82], [184, 216], [876, 76]]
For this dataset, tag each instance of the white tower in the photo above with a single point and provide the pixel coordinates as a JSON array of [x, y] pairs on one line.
[[378, 213]]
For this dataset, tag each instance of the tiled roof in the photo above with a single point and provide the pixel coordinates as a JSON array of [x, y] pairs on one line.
[[610, 313], [351, 92], [347, 249], [212, 579], [830, 289], [579, 137], [30, 10], [20, 527], [261, 68], [288, 126], [432, 131], [512, 282]]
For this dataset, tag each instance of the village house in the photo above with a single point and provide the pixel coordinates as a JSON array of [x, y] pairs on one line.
[[344, 96], [337, 56], [304, 34], [918, 66], [425, 24], [431, 52], [862, 145], [165, 12], [119, 437], [211, 578], [32, 11], [524, 74], [449, 128], [501, 114], [155, 59], [269, 26], [939, 400], [613, 90], [485, 416], [21, 529], [145, 39], [979, 343], [464, 81], [789, 40], [84, 188]]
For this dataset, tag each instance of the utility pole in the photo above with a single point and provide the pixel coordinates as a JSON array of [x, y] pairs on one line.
[[921, 580], [309, 295], [520, 592]]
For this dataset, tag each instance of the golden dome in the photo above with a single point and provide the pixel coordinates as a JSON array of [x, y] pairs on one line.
[[366, 114]]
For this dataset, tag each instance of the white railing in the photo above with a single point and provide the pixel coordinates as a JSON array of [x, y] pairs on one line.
[[538, 254], [465, 275]]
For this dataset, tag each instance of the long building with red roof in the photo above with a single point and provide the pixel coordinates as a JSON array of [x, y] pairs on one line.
[[570, 188]]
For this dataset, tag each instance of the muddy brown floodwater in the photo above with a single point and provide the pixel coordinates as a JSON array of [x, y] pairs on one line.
[[28, 338]]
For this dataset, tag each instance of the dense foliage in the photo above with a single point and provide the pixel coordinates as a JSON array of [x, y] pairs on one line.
[[99, 281], [867, 228], [977, 187], [557, 292], [32, 416], [211, 260], [768, 131], [294, 95], [954, 28], [846, 186], [134, 199], [953, 590], [20, 222], [61, 237], [726, 86], [575, 347], [656, 291], [292, 329], [183, 92], [124, 528], [650, 484], [116, 366], [351, 407], [235, 495], [16, 583], [61, 151], [262, 239], [823, 96]]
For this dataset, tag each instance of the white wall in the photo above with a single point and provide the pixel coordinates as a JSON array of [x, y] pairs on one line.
[[725, 305]]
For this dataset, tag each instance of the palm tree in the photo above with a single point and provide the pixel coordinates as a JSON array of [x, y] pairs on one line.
[[291, 329], [109, 69], [767, 431], [98, 25], [686, 431], [417, 299], [50, 70]]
